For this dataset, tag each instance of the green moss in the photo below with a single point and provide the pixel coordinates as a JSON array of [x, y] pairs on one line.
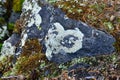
[[5, 64], [33, 60], [1, 46], [98, 7], [8, 73], [26, 64], [118, 20], [17, 5], [117, 43], [10, 26], [109, 25], [2, 21]]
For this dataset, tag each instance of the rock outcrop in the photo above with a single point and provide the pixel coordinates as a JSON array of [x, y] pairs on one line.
[[62, 38]]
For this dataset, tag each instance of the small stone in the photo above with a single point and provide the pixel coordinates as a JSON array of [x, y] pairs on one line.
[[112, 18], [21, 77]]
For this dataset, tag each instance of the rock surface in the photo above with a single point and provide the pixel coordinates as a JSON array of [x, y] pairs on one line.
[[62, 38]]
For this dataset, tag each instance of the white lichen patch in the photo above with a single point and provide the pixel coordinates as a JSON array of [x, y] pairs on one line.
[[65, 17], [30, 22], [26, 6], [7, 49], [38, 20], [59, 40], [84, 24], [35, 18], [23, 40], [3, 31]]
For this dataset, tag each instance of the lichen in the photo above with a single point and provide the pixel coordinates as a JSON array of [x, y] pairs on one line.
[[7, 49], [62, 41], [3, 31], [34, 10]]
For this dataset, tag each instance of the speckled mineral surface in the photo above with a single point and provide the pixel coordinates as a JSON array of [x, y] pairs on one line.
[[62, 38]]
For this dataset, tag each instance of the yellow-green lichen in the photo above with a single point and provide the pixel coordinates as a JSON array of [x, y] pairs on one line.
[[39, 27]]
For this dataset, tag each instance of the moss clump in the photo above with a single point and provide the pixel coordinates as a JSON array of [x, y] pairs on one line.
[[98, 7], [29, 58], [28, 61], [19, 25], [10, 26], [2, 21], [72, 8], [6, 64], [26, 64], [17, 5], [32, 63], [117, 43], [32, 46]]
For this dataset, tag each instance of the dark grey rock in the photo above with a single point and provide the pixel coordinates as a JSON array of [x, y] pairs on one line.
[[62, 38], [14, 39], [2, 11], [95, 42], [13, 17]]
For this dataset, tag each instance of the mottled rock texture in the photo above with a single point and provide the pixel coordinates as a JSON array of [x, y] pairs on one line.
[[62, 38]]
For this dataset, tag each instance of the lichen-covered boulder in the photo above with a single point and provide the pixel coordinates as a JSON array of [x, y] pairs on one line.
[[62, 38]]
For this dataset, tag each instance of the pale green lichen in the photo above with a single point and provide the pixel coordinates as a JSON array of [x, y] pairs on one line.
[[53, 41], [39, 27]]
